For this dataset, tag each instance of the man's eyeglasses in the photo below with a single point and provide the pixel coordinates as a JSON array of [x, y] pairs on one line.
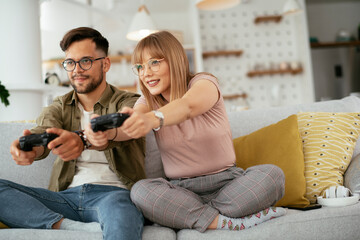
[[153, 65], [84, 63]]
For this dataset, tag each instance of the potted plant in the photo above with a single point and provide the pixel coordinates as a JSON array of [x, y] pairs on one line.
[[4, 95]]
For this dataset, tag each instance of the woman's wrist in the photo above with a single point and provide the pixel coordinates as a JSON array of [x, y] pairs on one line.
[[160, 119]]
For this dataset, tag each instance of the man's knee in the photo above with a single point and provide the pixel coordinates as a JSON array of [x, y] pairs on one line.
[[4, 183]]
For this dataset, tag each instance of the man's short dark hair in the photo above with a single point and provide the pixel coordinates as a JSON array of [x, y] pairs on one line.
[[81, 33]]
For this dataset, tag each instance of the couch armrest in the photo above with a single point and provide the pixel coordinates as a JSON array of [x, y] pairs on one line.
[[352, 175]]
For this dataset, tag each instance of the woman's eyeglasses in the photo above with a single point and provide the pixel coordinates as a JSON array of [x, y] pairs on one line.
[[153, 65]]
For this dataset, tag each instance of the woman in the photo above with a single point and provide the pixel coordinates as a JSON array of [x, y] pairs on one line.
[[203, 189]]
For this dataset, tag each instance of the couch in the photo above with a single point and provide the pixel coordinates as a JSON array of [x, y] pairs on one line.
[[324, 223]]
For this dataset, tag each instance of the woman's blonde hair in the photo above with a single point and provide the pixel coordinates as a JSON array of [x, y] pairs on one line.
[[164, 45]]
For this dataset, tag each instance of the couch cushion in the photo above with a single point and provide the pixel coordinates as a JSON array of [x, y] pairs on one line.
[[149, 233], [279, 144], [328, 142], [326, 223]]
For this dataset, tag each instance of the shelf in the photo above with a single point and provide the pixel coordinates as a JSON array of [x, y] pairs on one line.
[[335, 44], [222, 53], [131, 88], [272, 72], [39, 87], [119, 58], [114, 59], [274, 18], [234, 96]]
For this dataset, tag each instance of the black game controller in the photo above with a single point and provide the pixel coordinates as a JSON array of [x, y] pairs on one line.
[[32, 140], [108, 121]]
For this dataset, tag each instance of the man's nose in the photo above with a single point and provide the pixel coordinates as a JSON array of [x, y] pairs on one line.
[[78, 68]]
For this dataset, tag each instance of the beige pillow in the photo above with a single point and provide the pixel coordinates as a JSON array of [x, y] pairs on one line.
[[328, 144]]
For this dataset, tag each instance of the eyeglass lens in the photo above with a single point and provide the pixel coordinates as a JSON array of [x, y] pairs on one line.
[[153, 65]]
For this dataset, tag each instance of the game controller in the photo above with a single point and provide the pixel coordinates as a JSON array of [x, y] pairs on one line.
[[32, 140], [108, 121]]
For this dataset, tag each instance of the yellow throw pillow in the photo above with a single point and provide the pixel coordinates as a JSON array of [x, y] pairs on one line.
[[279, 144], [3, 225], [328, 141]]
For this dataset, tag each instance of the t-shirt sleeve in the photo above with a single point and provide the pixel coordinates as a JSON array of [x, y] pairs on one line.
[[141, 100], [206, 77]]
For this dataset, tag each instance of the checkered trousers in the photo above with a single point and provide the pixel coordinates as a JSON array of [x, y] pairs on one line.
[[193, 203]]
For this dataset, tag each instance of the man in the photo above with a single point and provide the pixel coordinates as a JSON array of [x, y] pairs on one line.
[[87, 184]]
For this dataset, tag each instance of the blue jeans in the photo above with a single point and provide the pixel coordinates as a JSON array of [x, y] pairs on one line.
[[28, 207]]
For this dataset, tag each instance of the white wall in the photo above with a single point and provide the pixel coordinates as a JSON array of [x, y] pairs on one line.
[[60, 16], [113, 20], [20, 68], [57, 17]]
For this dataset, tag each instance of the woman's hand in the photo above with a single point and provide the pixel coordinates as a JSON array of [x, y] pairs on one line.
[[99, 139], [138, 124]]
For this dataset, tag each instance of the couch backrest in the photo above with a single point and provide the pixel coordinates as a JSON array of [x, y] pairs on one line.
[[245, 122], [242, 123], [37, 174]]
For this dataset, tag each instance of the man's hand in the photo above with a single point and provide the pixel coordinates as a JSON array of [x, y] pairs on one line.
[[67, 146], [22, 157], [99, 139]]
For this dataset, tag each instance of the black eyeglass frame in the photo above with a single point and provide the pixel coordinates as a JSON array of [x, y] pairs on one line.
[[91, 60]]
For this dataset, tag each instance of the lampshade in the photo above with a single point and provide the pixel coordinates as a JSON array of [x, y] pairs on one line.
[[141, 25], [212, 5], [291, 6]]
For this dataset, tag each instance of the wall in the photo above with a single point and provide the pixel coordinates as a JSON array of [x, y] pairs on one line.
[[112, 21], [266, 45], [325, 19], [20, 68], [262, 44]]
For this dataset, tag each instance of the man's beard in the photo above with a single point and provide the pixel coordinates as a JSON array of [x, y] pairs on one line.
[[90, 86]]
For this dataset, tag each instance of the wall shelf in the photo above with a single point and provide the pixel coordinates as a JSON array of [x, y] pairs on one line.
[[235, 96], [130, 88], [222, 53], [114, 59], [272, 72], [274, 18], [334, 44]]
